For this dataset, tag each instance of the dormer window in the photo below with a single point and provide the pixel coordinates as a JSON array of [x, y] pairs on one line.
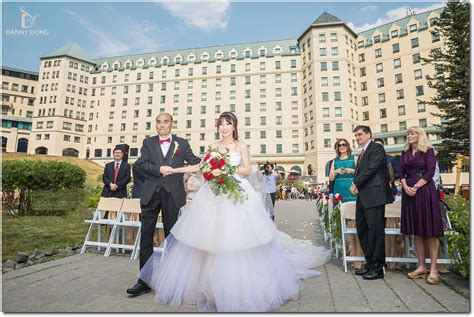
[[247, 54], [413, 28], [377, 39], [205, 57], [262, 52], [277, 50], [394, 34], [233, 54], [165, 61]]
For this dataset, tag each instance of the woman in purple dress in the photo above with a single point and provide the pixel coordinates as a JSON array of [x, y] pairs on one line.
[[420, 216]]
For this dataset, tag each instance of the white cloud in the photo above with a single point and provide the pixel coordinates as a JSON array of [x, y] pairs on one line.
[[368, 8], [391, 15], [128, 35], [205, 16]]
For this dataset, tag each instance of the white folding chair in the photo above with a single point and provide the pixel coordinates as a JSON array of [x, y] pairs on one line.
[[135, 252], [129, 217], [105, 204]]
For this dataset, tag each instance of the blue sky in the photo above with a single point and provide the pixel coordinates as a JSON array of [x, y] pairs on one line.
[[105, 29]]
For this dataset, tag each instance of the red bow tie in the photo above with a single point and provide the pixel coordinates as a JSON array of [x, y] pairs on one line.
[[165, 140]]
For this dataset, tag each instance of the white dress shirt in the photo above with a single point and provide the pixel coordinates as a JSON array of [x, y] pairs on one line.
[[165, 146]]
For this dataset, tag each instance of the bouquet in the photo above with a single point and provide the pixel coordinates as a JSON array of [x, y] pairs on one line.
[[218, 173]]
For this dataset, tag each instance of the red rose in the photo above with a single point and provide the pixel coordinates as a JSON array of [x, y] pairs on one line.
[[212, 161], [221, 163], [207, 156], [327, 197], [220, 181], [208, 176], [340, 197], [177, 151], [336, 201]]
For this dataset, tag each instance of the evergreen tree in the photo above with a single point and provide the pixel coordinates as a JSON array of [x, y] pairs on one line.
[[452, 79]]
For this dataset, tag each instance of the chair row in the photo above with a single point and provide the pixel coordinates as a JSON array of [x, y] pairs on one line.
[[128, 215]]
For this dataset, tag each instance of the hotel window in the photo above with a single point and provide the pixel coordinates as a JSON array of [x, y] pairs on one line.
[[218, 69], [263, 134], [401, 110], [188, 124], [334, 51], [383, 113], [322, 52], [150, 100], [397, 63], [150, 87], [363, 86], [247, 80], [294, 105], [247, 67], [413, 28], [421, 106], [400, 94], [247, 121], [420, 90], [293, 63], [377, 39], [325, 112], [263, 148], [263, 120], [278, 134], [176, 73], [383, 128], [294, 91], [204, 70], [398, 78], [151, 75], [263, 79], [414, 42], [396, 48], [232, 107], [263, 106], [247, 135], [327, 143], [338, 127], [379, 67], [326, 127], [277, 65], [325, 96], [365, 115], [363, 72], [162, 99], [218, 95], [217, 109], [247, 107], [324, 81], [137, 101], [422, 123], [333, 37], [163, 74], [361, 58], [296, 148], [378, 53], [278, 120], [416, 58], [402, 125], [435, 37], [204, 96], [203, 123], [294, 119], [322, 38], [324, 66], [418, 74], [394, 34], [263, 93], [189, 97], [279, 148], [380, 82], [218, 82], [337, 96], [277, 78], [365, 101], [338, 111], [278, 92], [335, 65], [382, 97]]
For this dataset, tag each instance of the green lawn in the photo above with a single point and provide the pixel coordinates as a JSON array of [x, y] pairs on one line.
[[27, 233]]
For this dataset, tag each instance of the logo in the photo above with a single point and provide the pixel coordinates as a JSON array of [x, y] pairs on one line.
[[27, 20]]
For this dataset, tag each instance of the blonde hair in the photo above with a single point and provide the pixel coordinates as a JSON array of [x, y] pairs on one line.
[[423, 142]]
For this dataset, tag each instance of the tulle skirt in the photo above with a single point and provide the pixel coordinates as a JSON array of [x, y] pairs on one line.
[[228, 257]]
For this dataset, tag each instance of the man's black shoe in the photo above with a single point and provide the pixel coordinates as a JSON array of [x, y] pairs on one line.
[[363, 270], [374, 274], [139, 289]]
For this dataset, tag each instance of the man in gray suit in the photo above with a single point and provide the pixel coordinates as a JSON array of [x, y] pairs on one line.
[[162, 191]]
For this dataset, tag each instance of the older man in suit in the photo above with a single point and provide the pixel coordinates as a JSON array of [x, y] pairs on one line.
[[371, 183], [162, 191]]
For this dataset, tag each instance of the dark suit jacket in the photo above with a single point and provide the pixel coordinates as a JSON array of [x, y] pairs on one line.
[[138, 178], [152, 159], [372, 177], [123, 178]]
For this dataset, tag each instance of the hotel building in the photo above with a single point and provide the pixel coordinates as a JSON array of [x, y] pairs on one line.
[[294, 98]]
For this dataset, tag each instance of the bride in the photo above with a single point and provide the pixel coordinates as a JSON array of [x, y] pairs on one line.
[[228, 257]]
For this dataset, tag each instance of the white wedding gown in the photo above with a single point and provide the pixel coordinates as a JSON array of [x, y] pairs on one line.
[[230, 257]]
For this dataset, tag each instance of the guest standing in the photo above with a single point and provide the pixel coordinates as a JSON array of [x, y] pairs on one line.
[[421, 216]]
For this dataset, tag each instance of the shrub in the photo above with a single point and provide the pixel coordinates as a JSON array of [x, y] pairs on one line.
[[458, 240]]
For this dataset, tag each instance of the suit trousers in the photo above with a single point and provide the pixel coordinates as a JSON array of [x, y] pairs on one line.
[[370, 224], [160, 201]]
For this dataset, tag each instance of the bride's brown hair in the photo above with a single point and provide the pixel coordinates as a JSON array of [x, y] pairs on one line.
[[229, 117]]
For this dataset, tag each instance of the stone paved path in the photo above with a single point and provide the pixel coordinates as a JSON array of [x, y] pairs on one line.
[[93, 283]]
